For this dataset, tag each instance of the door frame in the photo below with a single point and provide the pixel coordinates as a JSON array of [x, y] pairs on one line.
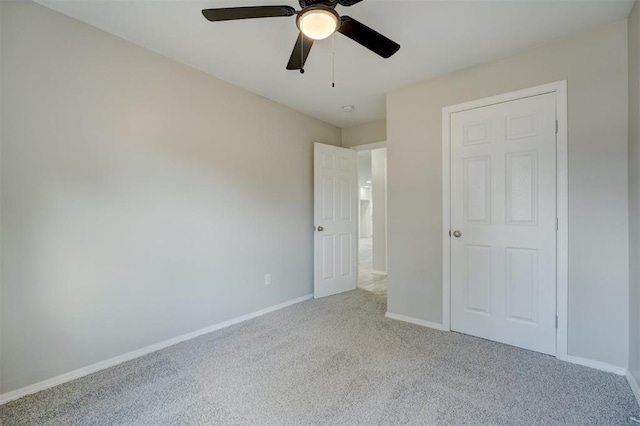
[[370, 147], [562, 201]]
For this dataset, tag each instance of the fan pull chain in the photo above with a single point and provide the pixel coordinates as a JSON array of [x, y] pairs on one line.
[[333, 60], [301, 49]]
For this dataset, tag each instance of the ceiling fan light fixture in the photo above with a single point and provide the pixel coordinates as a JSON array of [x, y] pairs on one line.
[[318, 22]]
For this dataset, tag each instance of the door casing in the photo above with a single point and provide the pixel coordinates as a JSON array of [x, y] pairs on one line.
[[562, 201]]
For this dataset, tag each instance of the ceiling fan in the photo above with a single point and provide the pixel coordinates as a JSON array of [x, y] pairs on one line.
[[316, 21]]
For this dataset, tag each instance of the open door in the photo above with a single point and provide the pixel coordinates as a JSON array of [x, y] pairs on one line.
[[336, 219]]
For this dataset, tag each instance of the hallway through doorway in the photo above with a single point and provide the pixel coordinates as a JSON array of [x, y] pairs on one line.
[[367, 280]]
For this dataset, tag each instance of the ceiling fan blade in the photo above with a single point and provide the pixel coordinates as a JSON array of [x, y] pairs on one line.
[[348, 3], [367, 37], [232, 13], [299, 56]]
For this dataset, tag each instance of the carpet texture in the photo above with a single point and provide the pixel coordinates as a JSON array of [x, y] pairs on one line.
[[338, 361]]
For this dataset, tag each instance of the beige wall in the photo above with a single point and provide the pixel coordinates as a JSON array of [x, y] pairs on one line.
[[595, 65], [373, 131], [1, 131], [141, 199], [379, 200], [634, 191]]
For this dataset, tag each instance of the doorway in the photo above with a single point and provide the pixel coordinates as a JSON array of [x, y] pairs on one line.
[[372, 218], [504, 209]]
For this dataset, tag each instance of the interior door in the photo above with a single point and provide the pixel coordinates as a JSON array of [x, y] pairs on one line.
[[503, 218], [336, 219]]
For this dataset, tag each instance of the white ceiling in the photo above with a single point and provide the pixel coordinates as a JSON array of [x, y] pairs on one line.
[[437, 37]]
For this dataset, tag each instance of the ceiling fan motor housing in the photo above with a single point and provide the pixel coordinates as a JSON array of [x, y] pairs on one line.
[[307, 3]]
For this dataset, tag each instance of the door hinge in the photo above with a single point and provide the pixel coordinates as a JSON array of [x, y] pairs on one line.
[[557, 226], [449, 232], [556, 321], [556, 127]]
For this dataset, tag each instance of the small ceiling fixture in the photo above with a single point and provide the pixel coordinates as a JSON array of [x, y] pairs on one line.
[[318, 22], [348, 108]]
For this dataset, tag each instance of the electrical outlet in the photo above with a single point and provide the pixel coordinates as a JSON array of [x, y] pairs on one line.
[[267, 279]]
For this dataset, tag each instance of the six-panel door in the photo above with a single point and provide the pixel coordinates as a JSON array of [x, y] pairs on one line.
[[336, 219], [503, 202]]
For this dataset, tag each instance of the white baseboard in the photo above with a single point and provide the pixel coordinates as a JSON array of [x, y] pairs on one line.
[[635, 385], [75, 374], [416, 321], [598, 365], [376, 272]]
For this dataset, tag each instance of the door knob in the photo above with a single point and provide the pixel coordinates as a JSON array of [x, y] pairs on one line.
[[457, 234], [320, 229]]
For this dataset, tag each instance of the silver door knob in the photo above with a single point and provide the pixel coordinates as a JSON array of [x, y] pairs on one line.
[[457, 234], [320, 229]]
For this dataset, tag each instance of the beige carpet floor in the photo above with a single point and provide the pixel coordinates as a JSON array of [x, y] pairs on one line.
[[334, 361]]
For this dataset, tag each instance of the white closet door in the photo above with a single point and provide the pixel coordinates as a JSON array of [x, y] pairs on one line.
[[503, 214]]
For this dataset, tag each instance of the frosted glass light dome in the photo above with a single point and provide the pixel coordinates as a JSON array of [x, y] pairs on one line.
[[318, 23]]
